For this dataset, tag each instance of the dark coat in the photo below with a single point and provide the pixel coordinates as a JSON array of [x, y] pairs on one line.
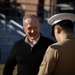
[[26, 58]]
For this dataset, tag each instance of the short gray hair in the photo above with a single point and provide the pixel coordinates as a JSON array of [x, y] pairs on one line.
[[30, 16]]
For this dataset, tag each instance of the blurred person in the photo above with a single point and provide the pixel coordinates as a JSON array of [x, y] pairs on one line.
[[59, 58], [28, 52]]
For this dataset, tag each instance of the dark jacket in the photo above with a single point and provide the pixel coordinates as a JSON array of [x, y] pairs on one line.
[[26, 58]]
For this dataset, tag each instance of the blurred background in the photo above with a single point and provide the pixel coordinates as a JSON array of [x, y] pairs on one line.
[[11, 15]]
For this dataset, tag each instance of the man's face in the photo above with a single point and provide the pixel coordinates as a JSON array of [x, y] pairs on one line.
[[31, 28]]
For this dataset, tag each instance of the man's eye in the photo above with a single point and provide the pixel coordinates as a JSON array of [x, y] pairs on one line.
[[29, 28], [35, 27]]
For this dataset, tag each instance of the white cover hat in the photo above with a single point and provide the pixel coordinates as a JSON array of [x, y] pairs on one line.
[[61, 16]]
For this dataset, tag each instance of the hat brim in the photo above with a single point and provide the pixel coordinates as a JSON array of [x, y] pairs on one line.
[[61, 16]]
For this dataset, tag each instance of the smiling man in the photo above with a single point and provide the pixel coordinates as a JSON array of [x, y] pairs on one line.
[[28, 52]]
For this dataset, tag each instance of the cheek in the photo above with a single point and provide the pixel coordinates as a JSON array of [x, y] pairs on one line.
[[23, 29], [38, 29], [55, 33], [26, 31]]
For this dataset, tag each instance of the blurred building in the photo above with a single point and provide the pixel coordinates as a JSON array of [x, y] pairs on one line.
[[11, 15], [42, 8], [65, 6]]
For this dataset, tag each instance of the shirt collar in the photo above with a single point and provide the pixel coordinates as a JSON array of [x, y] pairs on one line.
[[35, 41]]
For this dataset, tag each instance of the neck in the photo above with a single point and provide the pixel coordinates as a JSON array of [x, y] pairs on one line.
[[66, 36], [30, 40]]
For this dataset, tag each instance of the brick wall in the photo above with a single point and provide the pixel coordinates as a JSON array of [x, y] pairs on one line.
[[31, 6]]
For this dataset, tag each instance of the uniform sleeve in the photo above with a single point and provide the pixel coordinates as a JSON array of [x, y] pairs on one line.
[[49, 61], [10, 63]]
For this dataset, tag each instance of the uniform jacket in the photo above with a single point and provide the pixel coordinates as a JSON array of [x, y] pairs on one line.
[[27, 58], [59, 58]]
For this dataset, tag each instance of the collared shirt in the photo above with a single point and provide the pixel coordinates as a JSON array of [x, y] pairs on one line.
[[34, 42]]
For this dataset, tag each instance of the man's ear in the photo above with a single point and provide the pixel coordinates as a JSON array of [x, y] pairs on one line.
[[23, 27], [58, 29]]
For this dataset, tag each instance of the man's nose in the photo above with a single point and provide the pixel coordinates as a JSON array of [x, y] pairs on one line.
[[32, 31]]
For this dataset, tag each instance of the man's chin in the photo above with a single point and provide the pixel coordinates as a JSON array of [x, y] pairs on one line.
[[33, 38]]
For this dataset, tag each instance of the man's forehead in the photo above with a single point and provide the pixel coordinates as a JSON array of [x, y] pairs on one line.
[[30, 16], [31, 20]]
